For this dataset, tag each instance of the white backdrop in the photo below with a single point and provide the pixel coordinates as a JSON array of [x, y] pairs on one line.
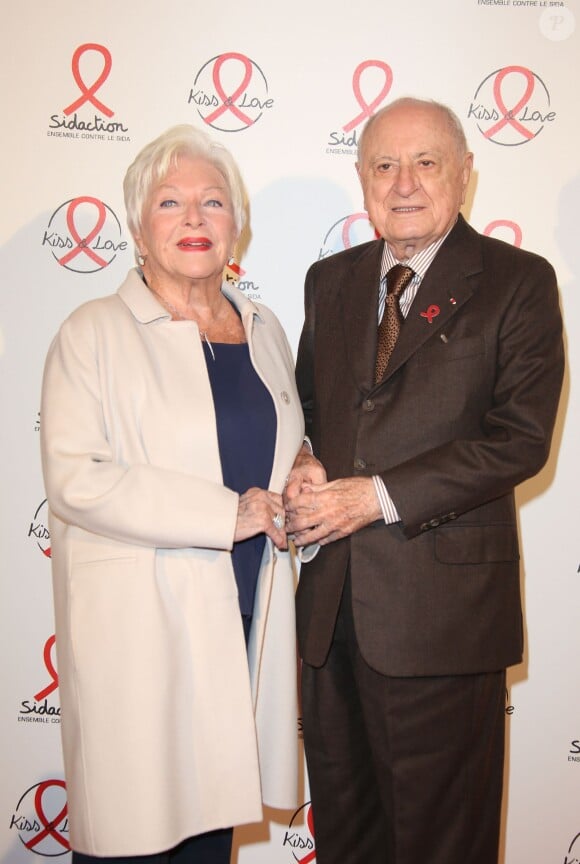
[[286, 88]]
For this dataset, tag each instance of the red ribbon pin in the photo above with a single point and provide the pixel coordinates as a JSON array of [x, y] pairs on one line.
[[431, 312]]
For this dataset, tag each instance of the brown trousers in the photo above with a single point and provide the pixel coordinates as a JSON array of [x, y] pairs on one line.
[[401, 770]]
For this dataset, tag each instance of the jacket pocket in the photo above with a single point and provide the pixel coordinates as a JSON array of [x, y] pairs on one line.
[[89, 548], [476, 544], [439, 351]]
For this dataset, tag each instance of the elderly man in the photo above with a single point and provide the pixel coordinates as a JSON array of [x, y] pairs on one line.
[[409, 612]]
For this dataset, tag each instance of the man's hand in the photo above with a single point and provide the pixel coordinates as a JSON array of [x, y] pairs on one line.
[[307, 470], [330, 511]]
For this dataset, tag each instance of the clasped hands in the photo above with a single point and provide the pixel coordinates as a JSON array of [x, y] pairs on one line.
[[321, 512], [310, 510]]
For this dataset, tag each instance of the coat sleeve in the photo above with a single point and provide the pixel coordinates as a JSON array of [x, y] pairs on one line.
[[136, 502], [516, 426]]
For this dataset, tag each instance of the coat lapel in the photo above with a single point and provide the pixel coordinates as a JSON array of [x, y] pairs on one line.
[[359, 298], [444, 290]]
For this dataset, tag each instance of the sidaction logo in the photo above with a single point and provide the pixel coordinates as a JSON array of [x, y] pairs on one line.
[[347, 232], [88, 116], [39, 710], [299, 840], [230, 92], [40, 819], [84, 235], [378, 82], [511, 106]]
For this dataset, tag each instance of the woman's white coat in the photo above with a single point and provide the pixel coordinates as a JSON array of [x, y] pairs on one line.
[[168, 731]]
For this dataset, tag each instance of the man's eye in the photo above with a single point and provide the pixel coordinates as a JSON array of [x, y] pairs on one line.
[[383, 167]]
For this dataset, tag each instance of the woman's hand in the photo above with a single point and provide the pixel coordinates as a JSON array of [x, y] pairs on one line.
[[257, 509]]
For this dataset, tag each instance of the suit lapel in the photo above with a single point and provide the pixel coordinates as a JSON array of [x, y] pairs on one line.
[[442, 293], [359, 299]]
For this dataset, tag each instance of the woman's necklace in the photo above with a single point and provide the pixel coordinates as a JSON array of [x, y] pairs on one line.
[[180, 317]]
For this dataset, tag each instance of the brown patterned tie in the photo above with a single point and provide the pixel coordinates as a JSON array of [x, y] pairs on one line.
[[398, 278]]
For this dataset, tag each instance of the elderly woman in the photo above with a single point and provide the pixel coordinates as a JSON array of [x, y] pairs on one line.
[[170, 421]]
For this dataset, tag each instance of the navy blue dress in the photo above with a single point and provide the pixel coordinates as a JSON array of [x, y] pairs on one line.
[[246, 429]]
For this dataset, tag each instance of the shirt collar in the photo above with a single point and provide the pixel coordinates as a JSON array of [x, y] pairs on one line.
[[420, 262]]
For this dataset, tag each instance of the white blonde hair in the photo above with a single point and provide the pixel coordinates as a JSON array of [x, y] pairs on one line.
[[154, 161]]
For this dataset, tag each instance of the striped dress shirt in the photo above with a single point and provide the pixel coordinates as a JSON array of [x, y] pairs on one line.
[[420, 263]]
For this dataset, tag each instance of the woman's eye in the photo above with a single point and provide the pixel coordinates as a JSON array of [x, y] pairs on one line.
[[213, 202], [168, 202]]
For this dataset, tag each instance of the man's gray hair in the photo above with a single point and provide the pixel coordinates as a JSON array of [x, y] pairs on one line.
[[453, 122]]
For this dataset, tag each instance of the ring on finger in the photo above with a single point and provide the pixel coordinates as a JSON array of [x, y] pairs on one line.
[[278, 521]]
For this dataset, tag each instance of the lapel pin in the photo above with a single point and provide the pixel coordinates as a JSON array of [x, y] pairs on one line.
[[430, 313], [453, 301]]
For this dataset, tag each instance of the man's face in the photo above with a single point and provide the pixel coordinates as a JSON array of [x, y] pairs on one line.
[[413, 176]]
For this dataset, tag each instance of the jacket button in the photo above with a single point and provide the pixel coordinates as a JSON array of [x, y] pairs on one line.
[[434, 523], [368, 405], [360, 464], [285, 397]]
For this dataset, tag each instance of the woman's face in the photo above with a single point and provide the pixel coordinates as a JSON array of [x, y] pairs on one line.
[[187, 225]]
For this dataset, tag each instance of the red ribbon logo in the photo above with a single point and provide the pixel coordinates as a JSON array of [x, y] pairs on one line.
[[505, 223], [83, 242], [368, 107], [228, 101], [42, 694], [508, 113], [88, 93], [431, 312], [49, 826]]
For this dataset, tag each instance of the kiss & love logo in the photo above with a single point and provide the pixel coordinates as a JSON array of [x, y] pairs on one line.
[[230, 92], [511, 106], [303, 848], [40, 819], [84, 235], [378, 82], [96, 62], [573, 854], [347, 232], [38, 529]]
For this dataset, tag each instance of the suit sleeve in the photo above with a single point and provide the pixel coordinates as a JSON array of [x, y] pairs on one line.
[[305, 357], [516, 424]]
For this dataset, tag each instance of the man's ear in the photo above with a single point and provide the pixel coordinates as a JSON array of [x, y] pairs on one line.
[[466, 174]]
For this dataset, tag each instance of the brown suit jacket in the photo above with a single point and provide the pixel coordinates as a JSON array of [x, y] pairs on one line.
[[464, 413]]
